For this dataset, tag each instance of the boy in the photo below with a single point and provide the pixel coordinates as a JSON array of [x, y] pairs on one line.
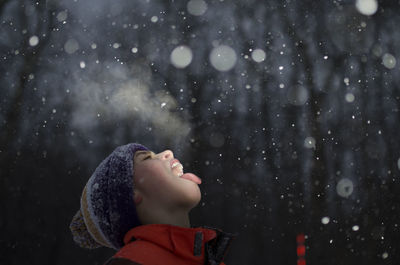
[[138, 203]]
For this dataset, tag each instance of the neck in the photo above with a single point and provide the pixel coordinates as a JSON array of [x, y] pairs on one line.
[[156, 215]]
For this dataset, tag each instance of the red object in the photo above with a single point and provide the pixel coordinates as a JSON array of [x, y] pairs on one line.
[[301, 261], [300, 239], [163, 244], [301, 249]]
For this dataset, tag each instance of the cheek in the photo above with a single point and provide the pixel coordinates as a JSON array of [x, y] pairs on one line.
[[150, 176], [139, 178]]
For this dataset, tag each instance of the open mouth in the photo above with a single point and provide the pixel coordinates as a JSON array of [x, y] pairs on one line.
[[177, 167]]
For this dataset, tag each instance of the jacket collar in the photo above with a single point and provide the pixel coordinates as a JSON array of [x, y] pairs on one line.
[[189, 243]]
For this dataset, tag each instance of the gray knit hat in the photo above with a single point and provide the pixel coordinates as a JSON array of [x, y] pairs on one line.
[[107, 209]]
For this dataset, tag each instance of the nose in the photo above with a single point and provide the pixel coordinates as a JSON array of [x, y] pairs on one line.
[[166, 155]]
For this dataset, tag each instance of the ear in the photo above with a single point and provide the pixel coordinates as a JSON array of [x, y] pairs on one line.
[[137, 197]]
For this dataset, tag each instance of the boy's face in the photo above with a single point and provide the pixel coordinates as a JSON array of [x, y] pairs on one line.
[[157, 180]]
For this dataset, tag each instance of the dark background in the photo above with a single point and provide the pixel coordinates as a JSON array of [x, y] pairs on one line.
[[305, 141]]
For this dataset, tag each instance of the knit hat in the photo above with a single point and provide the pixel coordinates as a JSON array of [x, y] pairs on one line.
[[107, 209]]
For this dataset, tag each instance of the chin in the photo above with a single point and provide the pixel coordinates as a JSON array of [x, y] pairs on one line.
[[193, 198]]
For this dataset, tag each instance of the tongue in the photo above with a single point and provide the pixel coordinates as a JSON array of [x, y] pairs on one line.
[[191, 177]]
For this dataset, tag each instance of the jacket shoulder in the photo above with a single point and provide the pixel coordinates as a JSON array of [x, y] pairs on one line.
[[144, 252], [120, 261]]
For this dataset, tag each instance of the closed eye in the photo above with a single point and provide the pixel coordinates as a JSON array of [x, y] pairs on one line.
[[147, 157], [143, 155]]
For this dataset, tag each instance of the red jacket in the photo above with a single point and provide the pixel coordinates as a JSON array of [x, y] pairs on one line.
[[162, 244]]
